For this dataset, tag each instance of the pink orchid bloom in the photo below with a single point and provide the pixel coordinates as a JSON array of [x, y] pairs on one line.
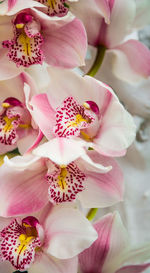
[[91, 8], [111, 252], [32, 37], [49, 240], [135, 98], [59, 171], [11, 7], [113, 37], [86, 108], [17, 127]]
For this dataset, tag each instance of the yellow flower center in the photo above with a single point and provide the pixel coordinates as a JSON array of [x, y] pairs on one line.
[[51, 3], [62, 179], [25, 41], [24, 241], [8, 126], [77, 121]]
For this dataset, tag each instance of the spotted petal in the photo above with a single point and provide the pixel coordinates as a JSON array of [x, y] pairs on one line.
[[71, 117], [65, 183], [16, 250]]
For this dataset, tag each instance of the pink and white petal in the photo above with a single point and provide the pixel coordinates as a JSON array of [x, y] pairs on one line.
[[101, 93], [62, 151], [48, 23], [44, 79], [90, 15], [43, 114], [102, 189], [124, 65], [23, 187], [104, 9], [32, 89], [15, 6], [12, 88], [73, 41], [93, 258], [117, 131], [118, 245], [116, 32], [8, 69], [49, 264], [90, 163], [27, 142], [68, 236], [133, 268], [22, 162], [36, 142], [112, 239]]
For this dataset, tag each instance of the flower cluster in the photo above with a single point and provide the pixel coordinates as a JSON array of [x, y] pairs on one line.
[[60, 131]]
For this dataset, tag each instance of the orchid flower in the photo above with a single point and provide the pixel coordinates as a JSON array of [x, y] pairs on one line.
[[58, 171], [86, 108], [17, 127], [49, 240], [32, 37], [111, 39], [112, 252]]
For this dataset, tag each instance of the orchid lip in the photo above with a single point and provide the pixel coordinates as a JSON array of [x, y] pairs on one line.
[[24, 48]]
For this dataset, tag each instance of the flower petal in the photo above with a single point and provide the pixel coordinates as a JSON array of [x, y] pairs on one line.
[[7, 69], [62, 151], [68, 236], [49, 264], [22, 186], [104, 9], [117, 131], [27, 142], [116, 32], [106, 249], [15, 6], [43, 114], [124, 65], [91, 16], [102, 189], [71, 53], [133, 268]]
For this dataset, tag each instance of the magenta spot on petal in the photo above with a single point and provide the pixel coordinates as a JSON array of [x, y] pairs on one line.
[[30, 220], [23, 18], [13, 101], [94, 107]]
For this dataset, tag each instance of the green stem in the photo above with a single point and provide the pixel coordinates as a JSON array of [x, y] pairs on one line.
[[91, 214], [98, 61]]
